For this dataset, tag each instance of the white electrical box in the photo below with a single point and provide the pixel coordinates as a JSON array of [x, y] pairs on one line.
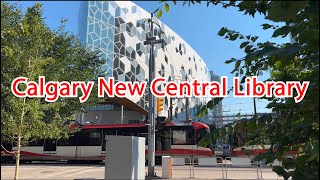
[[166, 167], [125, 157]]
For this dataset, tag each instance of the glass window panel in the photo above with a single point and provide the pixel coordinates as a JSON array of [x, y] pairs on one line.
[[97, 43], [179, 137], [36, 143], [90, 28], [104, 33], [134, 9], [117, 12], [105, 6], [99, 4]]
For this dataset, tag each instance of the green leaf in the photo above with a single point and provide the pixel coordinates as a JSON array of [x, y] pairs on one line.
[[230, 130], [159, 14], [283, 31], [248, 49], [281, 171], [166, 7], [234, 37], [237, 64], [254, 38], [280, 11], [243, 79], [244, 44], [266, 26], [222, 31], [230, 61], [223, 132], [205, 141], [278, 64], [174, 2], [215, 134]]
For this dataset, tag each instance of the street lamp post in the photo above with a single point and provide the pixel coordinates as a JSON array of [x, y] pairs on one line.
[[151, 128]]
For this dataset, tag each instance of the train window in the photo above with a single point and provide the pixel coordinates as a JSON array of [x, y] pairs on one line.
[[36, 142], [190, 136], [89, 138], [67, 141], [106, 132], [179, 137], [201, 133], [129, 131], [95, 138], [182, 135], [50, 145], [63, 142]]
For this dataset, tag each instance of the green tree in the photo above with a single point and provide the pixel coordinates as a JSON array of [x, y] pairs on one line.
[[30, 49], [296, 126]]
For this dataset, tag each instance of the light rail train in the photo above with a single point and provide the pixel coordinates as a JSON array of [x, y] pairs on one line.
[[88, 144]]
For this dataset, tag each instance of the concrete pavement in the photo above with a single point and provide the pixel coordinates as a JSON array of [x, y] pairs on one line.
[[48, 171]]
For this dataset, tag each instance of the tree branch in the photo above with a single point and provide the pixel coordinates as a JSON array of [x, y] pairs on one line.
[[6, 151]]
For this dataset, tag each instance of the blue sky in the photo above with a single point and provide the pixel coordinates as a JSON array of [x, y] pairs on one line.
[[198, 25]]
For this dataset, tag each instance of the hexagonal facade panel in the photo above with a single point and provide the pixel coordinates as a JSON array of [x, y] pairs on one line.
[[118, 30]]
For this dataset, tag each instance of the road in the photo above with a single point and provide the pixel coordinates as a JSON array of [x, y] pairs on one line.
[[63, 171]]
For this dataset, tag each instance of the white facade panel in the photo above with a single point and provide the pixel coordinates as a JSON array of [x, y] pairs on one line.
[[175, 62]]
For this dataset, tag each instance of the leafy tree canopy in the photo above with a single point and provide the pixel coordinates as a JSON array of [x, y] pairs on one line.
[[31, 49], [296, 125]]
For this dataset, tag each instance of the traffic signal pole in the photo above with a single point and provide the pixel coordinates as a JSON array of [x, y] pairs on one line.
[[151, 128]]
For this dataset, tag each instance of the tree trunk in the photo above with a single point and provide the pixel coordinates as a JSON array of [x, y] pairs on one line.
[[16, 172]]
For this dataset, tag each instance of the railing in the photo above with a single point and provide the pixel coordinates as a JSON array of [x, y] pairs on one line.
[[242, 162], [191, 163], [215, 163], [258, 166], [222, 167]]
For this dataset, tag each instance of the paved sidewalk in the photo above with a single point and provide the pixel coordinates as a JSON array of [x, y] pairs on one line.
[[44, 171]]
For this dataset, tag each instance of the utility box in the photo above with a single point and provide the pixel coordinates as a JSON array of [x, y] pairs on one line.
[[125, 157], [166, 167]]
